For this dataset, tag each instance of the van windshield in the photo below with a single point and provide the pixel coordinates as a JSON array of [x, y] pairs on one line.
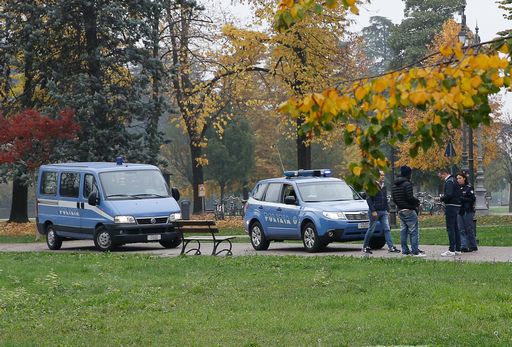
[[327, 191], [134, 184]]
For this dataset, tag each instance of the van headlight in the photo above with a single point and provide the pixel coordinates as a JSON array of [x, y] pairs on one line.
[[124, 220], [174, 216], [334, 215]]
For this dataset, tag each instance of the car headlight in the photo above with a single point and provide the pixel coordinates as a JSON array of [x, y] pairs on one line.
[[124, 220], [174, 216], [334, 215]]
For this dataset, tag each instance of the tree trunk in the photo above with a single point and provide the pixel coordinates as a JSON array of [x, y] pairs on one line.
[[197, 177], [19, 207], [303, 150]]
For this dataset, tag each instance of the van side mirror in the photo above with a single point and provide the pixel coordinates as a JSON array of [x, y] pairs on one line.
[[93, 199], [175, 193], [363, 195], [290, 200]]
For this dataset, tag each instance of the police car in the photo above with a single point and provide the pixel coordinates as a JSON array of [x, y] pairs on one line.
[[307, 205]]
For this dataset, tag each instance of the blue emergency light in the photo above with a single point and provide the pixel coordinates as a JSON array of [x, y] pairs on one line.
[[119, 160], [308, 173]]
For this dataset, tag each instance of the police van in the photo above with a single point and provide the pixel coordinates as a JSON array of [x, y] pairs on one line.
[[109, 203], [307, 205]]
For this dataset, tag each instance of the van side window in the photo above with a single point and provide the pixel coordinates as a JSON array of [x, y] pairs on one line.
[[259, 190], [89, 185], [48, 183], [69, 184], [273, 191]]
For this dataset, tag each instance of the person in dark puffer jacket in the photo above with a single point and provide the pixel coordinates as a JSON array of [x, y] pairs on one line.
[[378, 212], [407, 205]]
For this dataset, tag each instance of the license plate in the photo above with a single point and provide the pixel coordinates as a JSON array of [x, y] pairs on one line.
[[363, 225], [154, 237]]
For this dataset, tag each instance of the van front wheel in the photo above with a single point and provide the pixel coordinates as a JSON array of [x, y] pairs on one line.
[[103, 240], [53, 241], [173, 243]]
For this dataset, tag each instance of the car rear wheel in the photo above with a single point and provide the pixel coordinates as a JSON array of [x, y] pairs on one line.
[[310, 239], [103, 240], [173, 243], [258, 240], [377, 242], [53, 241]]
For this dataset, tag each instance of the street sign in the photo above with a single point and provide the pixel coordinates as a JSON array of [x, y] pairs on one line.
[[450, 150], [201, 190]]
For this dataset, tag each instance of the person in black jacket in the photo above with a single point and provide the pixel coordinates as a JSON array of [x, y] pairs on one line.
[[407, 205], [466, 214], [378, 212], [451, 199]]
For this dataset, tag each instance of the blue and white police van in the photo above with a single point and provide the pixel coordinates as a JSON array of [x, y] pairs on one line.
[[307, 205], [110, 203]]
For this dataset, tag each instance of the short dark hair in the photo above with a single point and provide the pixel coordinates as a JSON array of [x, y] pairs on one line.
[[443, 170]]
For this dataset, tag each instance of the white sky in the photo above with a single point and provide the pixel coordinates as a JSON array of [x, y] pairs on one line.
[[485, 12]]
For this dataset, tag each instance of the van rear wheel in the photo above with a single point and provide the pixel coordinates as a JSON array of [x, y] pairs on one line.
[[103, 240], [53, 241]]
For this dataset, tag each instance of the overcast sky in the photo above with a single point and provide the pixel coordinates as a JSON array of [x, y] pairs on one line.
[[485, 12]]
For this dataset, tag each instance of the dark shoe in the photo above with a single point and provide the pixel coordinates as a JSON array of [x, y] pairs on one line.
[[420, 251], [466, 250], [393, 250], [367, 250], [472, 249]]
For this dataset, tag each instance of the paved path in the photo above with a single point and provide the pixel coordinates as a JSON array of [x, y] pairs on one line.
[[484, 254]]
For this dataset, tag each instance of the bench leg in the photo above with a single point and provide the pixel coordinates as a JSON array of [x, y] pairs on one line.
[[197, 250], [225, 249]]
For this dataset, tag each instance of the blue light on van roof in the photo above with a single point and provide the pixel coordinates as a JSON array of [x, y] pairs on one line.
[[119, 160], [308, 173]]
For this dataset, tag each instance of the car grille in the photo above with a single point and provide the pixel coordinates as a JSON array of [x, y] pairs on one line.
[[359, 216], [152, 220]]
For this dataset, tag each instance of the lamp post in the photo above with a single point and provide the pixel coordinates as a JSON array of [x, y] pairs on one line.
[[467, 137]]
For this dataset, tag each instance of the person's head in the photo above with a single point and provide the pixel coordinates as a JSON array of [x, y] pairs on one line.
[[405, 171], [382, 176], [443, 173], [462, 179]]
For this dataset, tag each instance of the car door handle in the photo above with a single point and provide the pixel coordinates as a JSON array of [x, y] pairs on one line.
[[260, 207], [279, 209]]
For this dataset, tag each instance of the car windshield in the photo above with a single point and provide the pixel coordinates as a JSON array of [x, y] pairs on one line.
[[134, 184], [327, 191]]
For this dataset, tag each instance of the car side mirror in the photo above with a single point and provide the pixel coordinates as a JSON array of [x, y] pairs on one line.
[[93, 199], [363, 195], [290, 200], [175, 193]]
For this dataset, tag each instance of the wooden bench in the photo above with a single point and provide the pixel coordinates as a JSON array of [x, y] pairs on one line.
[[202, 227]]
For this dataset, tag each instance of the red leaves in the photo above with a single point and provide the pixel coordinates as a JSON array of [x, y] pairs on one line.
[[31, 137]]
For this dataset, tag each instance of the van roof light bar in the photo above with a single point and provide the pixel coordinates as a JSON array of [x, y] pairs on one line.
[[308, 173]]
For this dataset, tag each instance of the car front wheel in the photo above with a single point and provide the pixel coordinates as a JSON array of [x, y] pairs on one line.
[[258, 240], [310, 238]]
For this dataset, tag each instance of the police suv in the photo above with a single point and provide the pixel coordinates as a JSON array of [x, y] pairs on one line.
[[109, 203], [307, 205]]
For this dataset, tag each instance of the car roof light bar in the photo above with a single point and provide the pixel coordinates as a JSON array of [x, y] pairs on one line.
[[308, 173]]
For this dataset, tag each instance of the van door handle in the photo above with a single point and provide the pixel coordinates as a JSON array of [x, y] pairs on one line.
[[260, 207]]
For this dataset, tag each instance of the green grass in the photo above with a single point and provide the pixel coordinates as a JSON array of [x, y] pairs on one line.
[[50, 299], [20, 239]]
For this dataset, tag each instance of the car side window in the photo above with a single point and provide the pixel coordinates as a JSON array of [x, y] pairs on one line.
[[288, 191], [273, 192], [48, 184], [89, 185], [259, 191], [69, 184]]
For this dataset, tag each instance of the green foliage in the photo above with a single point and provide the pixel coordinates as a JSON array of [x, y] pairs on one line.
[[422, 20], [258, 301], [376, 43], [231, 156]]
